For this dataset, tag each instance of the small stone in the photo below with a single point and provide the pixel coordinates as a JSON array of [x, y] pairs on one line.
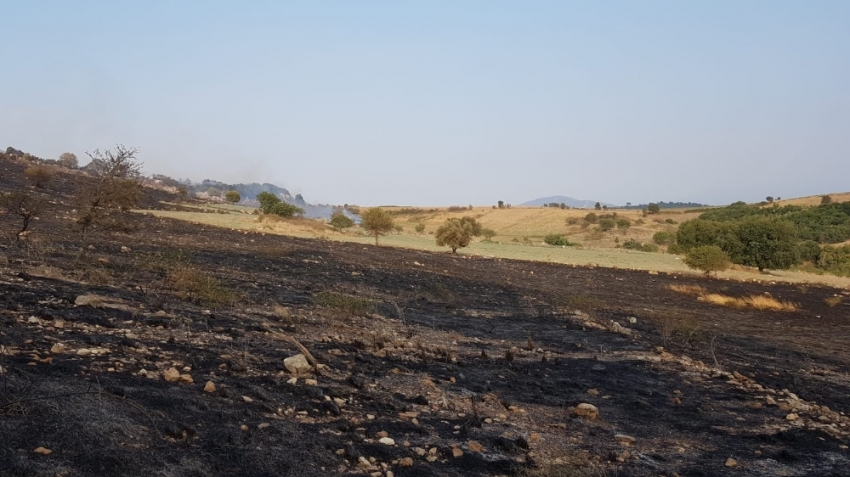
[[730, 462], [209, 387], [456, 452], [59, 324], [186, 378], [387, 441], [247, 399], [406, 462], [382, 434], [624, 439], [370, 416], [593, 392], [244, 427], [534, 437], [420, 451], [58, 348], [792, 417], [263, 425], [770, 401], [474, 446], [311, 382], [43, 451], [84, 352], [297, 364], [171, 375], [125, 249], [586, 410], [33, 320], [292, 381]]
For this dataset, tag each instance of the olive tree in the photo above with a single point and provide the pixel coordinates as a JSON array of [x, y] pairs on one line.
[[457, 233], [377, 222], [340, 221], [232, 196]]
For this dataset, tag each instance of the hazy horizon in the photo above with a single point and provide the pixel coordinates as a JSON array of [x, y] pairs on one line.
[[441, 103]]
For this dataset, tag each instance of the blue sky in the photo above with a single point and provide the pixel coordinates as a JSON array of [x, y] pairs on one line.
[[439, 103]]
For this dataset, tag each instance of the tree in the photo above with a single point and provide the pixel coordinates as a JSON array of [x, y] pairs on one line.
[[624, 224], [591, 218], [653, 208], [598, 206], [825, 200], [604, 207], [68, 160], [488, 234], [708, 259], [767, 243], [501, 204], [25, 206], [377, 222], [457, 233], [232, 196], [38, 175], [103, 202], [267, 200], [420, 227], [769, 199], [340, 221]]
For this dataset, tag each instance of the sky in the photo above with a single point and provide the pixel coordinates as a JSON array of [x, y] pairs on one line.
[[443, 102]]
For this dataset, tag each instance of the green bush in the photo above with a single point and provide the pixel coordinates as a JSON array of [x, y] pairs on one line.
[[809, 251], [285, 210], [708, 259], [572, 221], [623, 223], [649, 247], [670, 221], [591, 218], [835, 260], [664, 238], [267, 200], [557, 240], [488, 234], [607, 224], [232, 196], [340, 221], [632, 244], [420, 227]]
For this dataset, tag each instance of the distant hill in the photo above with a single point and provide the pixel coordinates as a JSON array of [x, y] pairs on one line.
[[569, 201], [668, 205]]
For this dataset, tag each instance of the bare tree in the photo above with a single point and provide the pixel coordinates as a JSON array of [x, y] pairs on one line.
[[103, 201], [23, 205]]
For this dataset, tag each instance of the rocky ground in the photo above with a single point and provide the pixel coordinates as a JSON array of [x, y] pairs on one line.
[[122, 361]]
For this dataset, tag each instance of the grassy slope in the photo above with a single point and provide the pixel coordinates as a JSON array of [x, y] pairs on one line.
[[512, 223]]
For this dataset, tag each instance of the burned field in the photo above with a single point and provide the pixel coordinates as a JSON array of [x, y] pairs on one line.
[[162, 353]]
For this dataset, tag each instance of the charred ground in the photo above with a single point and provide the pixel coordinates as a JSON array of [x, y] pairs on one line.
[[483, 361]]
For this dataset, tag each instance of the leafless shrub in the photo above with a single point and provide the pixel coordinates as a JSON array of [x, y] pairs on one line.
[[103, 201], [25, 206]]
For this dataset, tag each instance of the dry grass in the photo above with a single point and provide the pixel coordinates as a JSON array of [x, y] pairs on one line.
[[192, 284], [348, 303], [832, 301], [695, 290], [758, 302], [814, 199]]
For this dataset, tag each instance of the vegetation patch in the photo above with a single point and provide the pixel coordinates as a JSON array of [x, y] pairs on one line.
[[348, 303], [758, 302]]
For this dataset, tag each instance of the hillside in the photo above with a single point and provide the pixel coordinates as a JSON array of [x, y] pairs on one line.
[[174, 350]]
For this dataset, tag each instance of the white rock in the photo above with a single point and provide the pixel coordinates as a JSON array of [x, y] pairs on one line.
[[387, 441], [297, 364]]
